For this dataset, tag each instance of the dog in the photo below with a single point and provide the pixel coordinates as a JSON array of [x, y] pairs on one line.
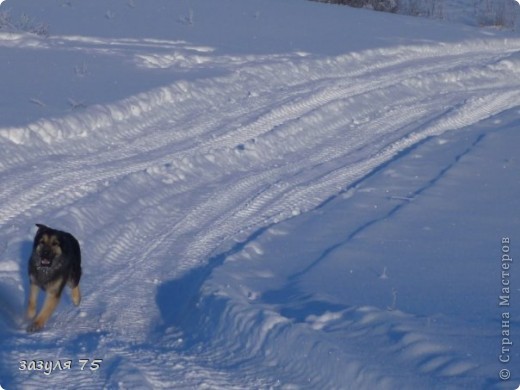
[[55, 261]]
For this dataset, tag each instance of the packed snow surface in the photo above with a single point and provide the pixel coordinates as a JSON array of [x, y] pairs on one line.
[[268, 194]]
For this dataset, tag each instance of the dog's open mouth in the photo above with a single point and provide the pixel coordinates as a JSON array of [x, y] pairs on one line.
[[45, 263]]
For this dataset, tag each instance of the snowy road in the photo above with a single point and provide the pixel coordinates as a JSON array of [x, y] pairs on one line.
[[159, 183]]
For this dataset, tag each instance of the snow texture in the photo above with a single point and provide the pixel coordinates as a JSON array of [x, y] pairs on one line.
[[268, 195]]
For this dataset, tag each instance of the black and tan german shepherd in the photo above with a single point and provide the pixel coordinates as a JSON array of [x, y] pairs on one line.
[[55, 261]]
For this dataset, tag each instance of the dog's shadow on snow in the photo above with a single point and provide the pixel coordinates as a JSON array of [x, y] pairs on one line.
[[12, 312], [9, 310], [25, 251], [11, 306]]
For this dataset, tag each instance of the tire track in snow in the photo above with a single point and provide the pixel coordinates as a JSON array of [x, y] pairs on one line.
[[55, 186], [218, 162]]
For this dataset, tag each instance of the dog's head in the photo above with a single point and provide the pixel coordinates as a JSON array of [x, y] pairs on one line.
[[47, 245]]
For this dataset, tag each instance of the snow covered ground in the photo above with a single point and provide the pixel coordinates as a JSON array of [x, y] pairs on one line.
[[268, 194]]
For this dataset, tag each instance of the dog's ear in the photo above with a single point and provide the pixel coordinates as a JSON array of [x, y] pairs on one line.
[[42, 227]]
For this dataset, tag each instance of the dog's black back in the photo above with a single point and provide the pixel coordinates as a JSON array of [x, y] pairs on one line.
[[62, 250]]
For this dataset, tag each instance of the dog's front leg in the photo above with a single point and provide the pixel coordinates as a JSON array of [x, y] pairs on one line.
[[33, 299], [51, 301]]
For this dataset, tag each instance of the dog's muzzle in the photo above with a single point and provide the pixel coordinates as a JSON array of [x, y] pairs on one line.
[[46, 257]]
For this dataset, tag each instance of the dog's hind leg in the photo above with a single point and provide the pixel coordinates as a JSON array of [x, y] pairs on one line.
[[76, 295], [33, 299]]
